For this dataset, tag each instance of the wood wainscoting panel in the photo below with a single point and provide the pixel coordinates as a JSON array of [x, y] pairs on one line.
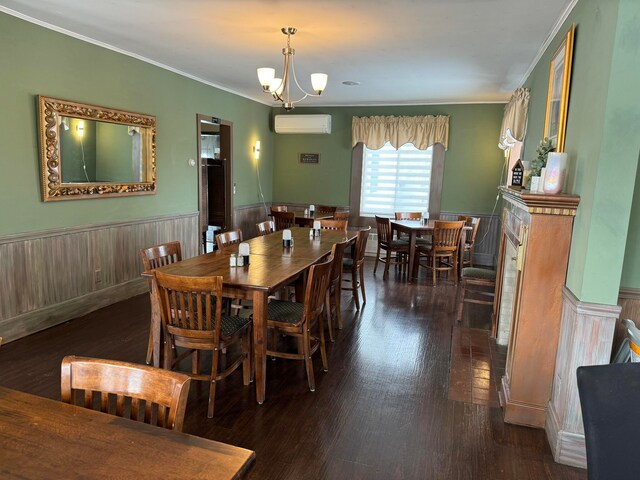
[[586, 334], [487, 239], [52, 276], [247, 216]]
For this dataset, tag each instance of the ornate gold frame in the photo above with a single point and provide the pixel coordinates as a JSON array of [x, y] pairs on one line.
[[565, 47], [49, 112]]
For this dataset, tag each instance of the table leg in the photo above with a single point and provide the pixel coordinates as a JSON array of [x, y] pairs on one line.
[[156, 326], [463, 240], [260, 342], [412, 254]]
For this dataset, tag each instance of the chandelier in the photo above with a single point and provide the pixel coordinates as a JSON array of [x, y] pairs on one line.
[[280, 88]]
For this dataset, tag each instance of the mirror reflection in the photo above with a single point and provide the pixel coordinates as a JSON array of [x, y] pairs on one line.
[[102, 152]]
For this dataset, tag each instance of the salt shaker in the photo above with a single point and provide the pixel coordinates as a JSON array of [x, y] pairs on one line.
[[233, 260]]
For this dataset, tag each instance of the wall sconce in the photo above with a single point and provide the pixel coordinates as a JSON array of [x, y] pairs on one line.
[[80, 128], [256, 150]]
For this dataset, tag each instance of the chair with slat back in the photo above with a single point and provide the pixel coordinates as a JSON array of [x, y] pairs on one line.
[[232, 237], [278, 208], [334, 225], [354, 267], [128, 390], [325, 210], [284, 220], [343, 215], [397, 251], [299, 319], [155, 257], [446, 241], [334, 292], [266, 227], [192, 317], [470, 242], [408, 215]]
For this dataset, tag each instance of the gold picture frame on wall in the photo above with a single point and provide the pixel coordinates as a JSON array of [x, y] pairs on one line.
[[555, 121], [87, 151]]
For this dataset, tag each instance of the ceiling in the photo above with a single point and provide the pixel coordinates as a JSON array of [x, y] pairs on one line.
[[401, 51]]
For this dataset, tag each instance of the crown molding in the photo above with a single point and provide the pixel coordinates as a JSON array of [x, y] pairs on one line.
[[113, 48], [552, 34]]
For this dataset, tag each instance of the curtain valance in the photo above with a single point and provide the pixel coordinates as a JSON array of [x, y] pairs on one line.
[[515, 115], [422, 132]]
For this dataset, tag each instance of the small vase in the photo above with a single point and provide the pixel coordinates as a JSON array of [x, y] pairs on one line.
[[535, 183], [556, 171]]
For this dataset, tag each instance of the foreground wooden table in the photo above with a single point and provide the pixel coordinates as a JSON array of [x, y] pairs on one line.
[[414, 228], [272, 267], [42, 438]]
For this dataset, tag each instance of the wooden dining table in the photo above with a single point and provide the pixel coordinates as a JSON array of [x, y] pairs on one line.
[[306, 220], [41, 438], [413, 228], [271, 267]]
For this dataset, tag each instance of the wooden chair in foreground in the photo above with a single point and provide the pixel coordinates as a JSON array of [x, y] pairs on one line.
[[398, 248], [476, 277], [343, 215], [232, 237], [154, 257], [334, 292], [284, 220], [121, 386], [298, 319], [355, 268], [192, 318], [446, 241], [470, 242], [334, 225], [266, 227], [325, 210]]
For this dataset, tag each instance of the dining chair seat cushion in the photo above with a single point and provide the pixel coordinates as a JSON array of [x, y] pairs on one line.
[[232, 324], [285, 312], [399, 243], [347, 263], [479, 273], [423, 241]]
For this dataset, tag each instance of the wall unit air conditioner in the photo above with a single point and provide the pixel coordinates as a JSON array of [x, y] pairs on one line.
[[303, 124]]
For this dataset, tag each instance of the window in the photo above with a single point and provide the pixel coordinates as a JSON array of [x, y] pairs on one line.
[[395, 180]]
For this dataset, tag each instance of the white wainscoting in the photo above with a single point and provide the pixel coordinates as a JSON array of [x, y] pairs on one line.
[[52, 276]]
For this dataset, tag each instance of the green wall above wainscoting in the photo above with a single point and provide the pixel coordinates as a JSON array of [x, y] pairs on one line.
[[35, 60], [472, 164]]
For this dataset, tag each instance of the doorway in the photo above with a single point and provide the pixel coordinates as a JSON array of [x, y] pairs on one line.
[[215, 182]]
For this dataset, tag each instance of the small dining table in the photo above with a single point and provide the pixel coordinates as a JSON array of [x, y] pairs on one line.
[[306, 220], [41, 438], [413, 228], [271, 267]]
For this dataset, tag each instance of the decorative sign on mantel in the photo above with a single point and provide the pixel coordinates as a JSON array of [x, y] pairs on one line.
[[517, 175], [309, 158]]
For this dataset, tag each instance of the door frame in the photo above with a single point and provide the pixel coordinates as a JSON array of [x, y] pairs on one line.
[[226, 154]]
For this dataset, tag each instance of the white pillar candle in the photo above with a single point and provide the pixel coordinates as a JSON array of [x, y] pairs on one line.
[[243, 249], [316, 225], [286, 234]]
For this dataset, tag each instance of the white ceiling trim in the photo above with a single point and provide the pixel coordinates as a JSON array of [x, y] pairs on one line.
[[419, 104], [554, 31], [93, 41]]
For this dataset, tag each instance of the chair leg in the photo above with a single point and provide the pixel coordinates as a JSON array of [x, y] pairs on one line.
[[471, 255], [377, 259], [307, 358], [433, 264], [337, 295], [364, 295], [327, 307], [274, 341], [323, 350], [212, 384], [246, 351], [460, 302], [195, 362], [354, 286], [150, 346], [386, 264]]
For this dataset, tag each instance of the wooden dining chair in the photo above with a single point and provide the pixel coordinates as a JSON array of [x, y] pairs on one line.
[[397, 251], [138, 392], [477, 285], [266, 227], [299, 319], [470, 241], [408, 215], [354, 270], [445, 244], [334, 292], [342, 215], [155, 257], [334, 225], [225, 239], [192, 318], [278, 208], [325, 210], [284, 220]]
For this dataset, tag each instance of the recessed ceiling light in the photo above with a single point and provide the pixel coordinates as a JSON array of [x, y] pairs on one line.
[[350, 83]]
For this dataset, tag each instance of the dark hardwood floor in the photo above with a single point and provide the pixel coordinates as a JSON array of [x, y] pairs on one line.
[[381, 412]]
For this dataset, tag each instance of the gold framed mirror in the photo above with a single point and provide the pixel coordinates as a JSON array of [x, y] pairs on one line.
[[88, 151]]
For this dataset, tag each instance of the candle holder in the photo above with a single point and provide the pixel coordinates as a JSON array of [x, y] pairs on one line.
[[287, 241], [243, 252]]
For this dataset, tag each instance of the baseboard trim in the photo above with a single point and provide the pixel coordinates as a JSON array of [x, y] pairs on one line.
[[37, 320], [629, 293], [568, 448]]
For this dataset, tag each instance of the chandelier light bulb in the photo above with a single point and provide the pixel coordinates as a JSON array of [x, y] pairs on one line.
[[265, 77], [319, 82]]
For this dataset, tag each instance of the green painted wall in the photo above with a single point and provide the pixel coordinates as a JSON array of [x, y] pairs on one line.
[[601, 140], [36, 61], [472, 164]]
